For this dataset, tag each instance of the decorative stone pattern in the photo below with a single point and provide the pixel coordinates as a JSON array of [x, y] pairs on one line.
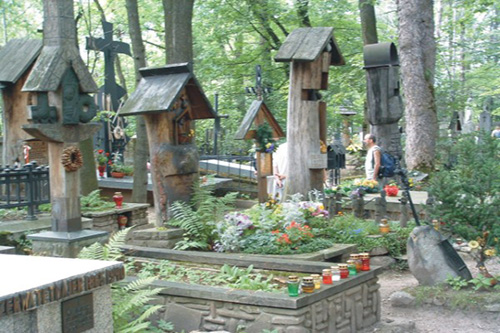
[[108, 220], [350, 310]]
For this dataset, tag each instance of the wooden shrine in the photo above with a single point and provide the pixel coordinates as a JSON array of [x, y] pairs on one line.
[[258, 114], [59, 112], [311, 52], [16, 62], [170, 99], [385, 106]]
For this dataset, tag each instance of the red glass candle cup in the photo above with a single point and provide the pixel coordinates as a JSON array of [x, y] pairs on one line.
[[344, 271], [118, 199], [101, 169], [365, 261], [327, 276]]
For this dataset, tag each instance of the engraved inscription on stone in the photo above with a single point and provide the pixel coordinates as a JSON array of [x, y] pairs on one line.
[[78, 314]]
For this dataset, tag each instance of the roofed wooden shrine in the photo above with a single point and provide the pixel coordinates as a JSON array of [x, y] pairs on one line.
[[310, 51], [170, 98]]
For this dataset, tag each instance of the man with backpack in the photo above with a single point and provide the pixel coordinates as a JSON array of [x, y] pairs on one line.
[[373, 157]]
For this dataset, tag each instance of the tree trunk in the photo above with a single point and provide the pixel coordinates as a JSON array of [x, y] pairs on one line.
[[141, 151], [303, 12], [418, 61], [178, 30], [369, 34]]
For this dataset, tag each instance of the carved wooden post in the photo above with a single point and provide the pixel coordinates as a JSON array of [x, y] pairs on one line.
[[310, 51], [380, 207], [170, 98], [382, 89], [59, 113]]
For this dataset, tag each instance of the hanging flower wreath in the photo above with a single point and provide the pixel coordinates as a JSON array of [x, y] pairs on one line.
[[72, 159]]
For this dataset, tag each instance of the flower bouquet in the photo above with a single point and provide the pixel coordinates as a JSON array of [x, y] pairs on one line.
[[264, 139], [391, 189], [363, 186]]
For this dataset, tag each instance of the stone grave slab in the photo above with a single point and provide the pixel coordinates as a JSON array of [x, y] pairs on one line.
[[42, 294]]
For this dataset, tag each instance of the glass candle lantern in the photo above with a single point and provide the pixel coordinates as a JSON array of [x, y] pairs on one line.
[[357, 261], [308, 284], [344, 272], [118, 199], [316, 280], [293, 286], [335, 273], [384, 227], [351, 266], [435, 224], [365, 261], [327, 276]]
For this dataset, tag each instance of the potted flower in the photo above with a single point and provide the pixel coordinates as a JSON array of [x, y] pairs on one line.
[[391, 189], [102, 159]]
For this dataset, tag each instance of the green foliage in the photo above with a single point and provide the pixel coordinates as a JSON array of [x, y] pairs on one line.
[[348, 229], [198, 218], [467, 189], [94, 202], [457, 282], [130, 300]]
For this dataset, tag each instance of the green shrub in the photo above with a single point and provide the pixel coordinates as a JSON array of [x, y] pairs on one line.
[[467, 192]]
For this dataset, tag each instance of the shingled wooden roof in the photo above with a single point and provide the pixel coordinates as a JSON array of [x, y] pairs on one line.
[[160, 87], [255, 108], [306, 45], [16, 57]]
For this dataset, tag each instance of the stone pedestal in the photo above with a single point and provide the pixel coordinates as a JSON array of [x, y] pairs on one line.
[[65, 244], [136, 213], [38, 296]]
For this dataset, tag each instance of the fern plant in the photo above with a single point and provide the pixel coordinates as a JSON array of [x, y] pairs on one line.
[[130, 300], [199, 217], [93, 202]]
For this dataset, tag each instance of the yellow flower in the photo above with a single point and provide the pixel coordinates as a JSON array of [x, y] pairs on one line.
[[473, 244], [311, 209], [490, 252]]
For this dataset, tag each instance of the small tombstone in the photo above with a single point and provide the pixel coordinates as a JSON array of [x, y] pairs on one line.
[[429, 260], [170, 99], [403, 207], [17, 57], [59, 112], [385, 106], [311, 52], [257, 115], [380, 207]]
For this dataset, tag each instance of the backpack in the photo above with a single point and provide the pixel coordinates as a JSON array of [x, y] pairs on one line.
[[387, 165]]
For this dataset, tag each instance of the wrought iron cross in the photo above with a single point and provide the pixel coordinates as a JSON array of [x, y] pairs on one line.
[[110, 48], [258, 90]]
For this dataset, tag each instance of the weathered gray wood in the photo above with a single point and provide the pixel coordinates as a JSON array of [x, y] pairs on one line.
[[313, 44], [290, 45], [258, 108], [59, 51], [307, 44], [160, 88], [16, 57]]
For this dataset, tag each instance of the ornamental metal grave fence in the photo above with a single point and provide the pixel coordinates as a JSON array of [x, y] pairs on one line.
[[25, 186]]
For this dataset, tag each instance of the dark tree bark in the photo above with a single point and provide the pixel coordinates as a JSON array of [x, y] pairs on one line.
[[178, 30], [141, 149], [303, 12], [417, 50], [369, 35]]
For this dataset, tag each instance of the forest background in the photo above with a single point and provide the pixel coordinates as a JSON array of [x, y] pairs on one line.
[[230, 37]]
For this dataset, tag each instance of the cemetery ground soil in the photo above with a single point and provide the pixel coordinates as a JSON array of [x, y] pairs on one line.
[[428, 317]]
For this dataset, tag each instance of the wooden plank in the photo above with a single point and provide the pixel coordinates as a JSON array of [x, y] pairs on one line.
[[291, 45], [322, 122], [16, 57], [247, 121], [312, 74], [313, 44], [155, 94], [202, 109]]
